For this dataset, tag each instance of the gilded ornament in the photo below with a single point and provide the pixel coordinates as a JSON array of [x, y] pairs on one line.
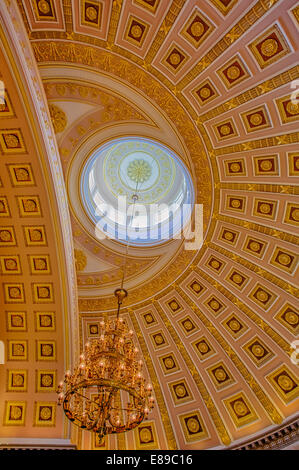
[[22, 174], [5, 236], [291, 318], [36, 235], [11, 141], [58, 117], [258, 350], [203, 348], [93, 329], [29, 205], [11, 264], [237, 278], [188, 325], [214, 305], [240, 408], [15, 413], [43, 6], [46, 350], [18, 350], [14, 293], [225, 130], [215, 264], [233, 72], [265, 208], [292, 108], [45, 321], [174, 58], [197, 29], [205, 92], [180, 391], [266, 165], [46, 380], [174, 305], [149, 318], [254, 246], [40, 264], [136, 31], [235, 167], [169, 362], [159, 339], [45, 413], [295, 215], [284, 259], [228, 236], [256, 119], [91, 13], [269, 47], [262, 296], [18, 380], [196, 287], [220, 375], [145, 435], [17, 320], [43, 292], [80, 260], [193, 425], [285, 382]]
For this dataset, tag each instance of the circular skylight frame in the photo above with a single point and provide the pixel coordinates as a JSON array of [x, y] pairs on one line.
[[116, 231]]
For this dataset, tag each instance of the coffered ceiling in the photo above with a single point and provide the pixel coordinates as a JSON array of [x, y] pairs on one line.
[[211, 80]]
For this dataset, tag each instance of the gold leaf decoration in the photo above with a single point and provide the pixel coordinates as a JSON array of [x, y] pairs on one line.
[[80, 260], [58, 117]]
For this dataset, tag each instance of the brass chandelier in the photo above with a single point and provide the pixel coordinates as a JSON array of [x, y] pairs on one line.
[[107, 392]]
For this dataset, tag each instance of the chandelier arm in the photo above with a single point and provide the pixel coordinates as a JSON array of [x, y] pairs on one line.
[[86, 398], [106, 417], [124, 409]]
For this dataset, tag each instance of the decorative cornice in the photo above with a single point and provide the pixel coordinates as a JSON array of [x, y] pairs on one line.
[[280, 438]]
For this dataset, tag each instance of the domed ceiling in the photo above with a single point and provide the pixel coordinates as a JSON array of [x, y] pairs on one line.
[[206, 88]]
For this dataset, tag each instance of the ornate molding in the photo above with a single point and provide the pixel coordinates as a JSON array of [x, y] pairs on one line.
[[280, 438]]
